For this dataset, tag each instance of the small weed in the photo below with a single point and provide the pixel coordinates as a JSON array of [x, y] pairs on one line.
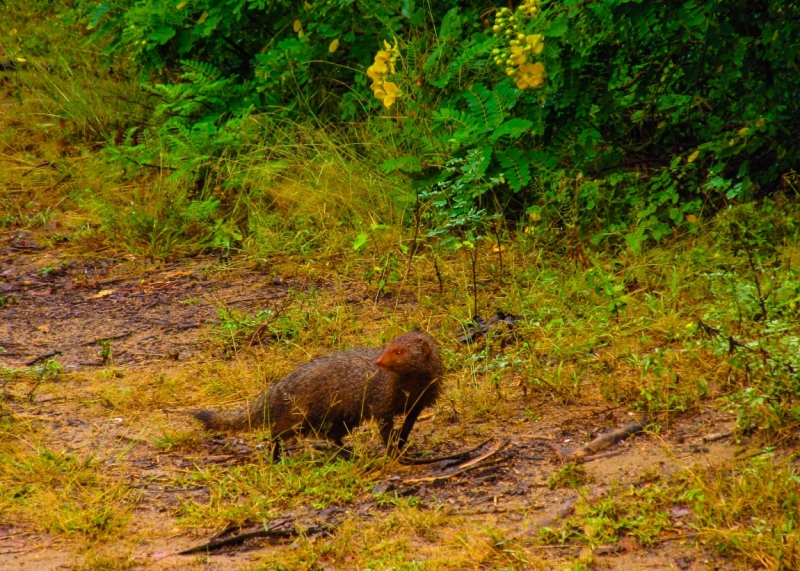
[[237, 330], [105, 351], [531, 416], [569, 476], [394, 500], [50, 371], [7, 300], [53, 269], [172, 439]]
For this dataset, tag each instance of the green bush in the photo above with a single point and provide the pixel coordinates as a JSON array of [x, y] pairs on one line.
[[652, 113]]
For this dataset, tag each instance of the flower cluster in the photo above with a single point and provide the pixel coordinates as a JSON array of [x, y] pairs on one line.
[[385, 91], [521, 47]]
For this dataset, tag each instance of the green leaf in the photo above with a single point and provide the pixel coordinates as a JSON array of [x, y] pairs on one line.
[[633, 242], [515, 169], [98, 13], [162, 34], [405, 164], [558, 27], [451, 24], [360, 241], [512, 128]]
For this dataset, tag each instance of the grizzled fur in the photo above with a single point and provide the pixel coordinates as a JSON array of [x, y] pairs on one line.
[[334, 394]]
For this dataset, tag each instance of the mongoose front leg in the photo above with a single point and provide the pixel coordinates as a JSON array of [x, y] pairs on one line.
[[408, 424]]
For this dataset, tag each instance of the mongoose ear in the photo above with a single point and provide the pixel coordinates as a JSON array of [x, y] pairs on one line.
[[426, 347]]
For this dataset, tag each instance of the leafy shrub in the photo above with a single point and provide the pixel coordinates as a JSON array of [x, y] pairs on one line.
[[652, 113]]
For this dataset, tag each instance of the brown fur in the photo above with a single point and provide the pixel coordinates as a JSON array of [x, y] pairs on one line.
[[332, 395]]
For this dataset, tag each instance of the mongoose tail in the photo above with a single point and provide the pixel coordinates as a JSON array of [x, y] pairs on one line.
[[206, 417]]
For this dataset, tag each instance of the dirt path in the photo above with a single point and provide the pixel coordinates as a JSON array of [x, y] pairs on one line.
[[147, 312], [160, 317]]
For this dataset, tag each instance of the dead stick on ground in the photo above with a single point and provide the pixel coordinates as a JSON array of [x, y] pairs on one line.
[[457, 456], [242, 537], [474, 463], [601, 442], [35, 360], [26, 416], [602, 455]]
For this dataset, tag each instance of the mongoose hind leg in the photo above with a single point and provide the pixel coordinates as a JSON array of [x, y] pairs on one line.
[[337, 432]]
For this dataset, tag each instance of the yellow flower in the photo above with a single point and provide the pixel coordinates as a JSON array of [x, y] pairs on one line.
[[392, 93], [297, 26], [536, 41], [518, 59], [379, 67], [334, 46], [385, 91], [531, 75]]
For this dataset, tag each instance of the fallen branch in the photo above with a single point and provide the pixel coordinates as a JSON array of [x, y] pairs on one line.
[[477, 462], [285, 528], [35, 360], [603, 455], [28, 416], [600, 443], [457, 456], [715, 437], [97, 340]]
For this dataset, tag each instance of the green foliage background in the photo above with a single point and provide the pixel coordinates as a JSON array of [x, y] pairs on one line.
[[654, 113]]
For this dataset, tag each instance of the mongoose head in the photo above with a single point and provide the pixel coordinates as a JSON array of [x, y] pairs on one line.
[[411, 353]]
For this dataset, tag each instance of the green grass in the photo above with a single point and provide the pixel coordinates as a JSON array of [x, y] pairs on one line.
[[748, 510], [262, 491], [59, 492]]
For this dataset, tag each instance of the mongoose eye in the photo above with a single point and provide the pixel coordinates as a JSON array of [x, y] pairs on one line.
[[398, 352]]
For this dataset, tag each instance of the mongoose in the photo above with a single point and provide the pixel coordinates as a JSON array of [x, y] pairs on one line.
[[332, 395]]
